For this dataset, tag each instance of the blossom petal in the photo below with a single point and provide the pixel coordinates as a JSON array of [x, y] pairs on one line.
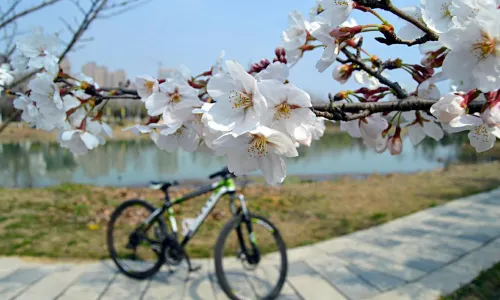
[[416, 134], [433, 130], [90, 140], [273, 168]]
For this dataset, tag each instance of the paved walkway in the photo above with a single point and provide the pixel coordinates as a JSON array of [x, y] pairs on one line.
[[420, 256]]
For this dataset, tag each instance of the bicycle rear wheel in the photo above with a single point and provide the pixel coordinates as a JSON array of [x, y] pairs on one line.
[[136, 253], [264, 277]]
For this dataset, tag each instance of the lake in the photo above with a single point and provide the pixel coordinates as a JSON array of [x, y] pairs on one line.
[[135, 162]]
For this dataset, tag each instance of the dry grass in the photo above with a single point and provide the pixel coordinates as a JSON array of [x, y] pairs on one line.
[[61, 221], [17, 132]]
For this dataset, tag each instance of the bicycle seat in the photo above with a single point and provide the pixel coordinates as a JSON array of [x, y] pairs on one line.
[[162, 185]]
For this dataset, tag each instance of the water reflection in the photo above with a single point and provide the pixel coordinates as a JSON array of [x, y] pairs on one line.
[[124, 163]]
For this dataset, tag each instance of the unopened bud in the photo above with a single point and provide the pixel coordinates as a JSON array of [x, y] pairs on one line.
[[395, 142], [345, 33]]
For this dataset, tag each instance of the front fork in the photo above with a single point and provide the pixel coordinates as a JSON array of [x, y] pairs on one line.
[[254, 257]]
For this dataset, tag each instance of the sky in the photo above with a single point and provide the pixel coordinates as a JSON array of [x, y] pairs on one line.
[[193, 33]]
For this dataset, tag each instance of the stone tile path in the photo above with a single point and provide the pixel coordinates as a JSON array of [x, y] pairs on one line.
[[421, 256]]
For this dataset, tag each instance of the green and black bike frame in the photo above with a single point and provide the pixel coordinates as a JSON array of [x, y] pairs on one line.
[[221, 188]]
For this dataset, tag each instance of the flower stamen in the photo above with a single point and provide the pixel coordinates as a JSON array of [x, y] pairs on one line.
[[175, 97], [258, 146], [485, 46], [241, 99], [149, 86]]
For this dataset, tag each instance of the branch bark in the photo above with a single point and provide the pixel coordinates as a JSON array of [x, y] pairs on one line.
[[400, 93], [28, 11], [338, 111]]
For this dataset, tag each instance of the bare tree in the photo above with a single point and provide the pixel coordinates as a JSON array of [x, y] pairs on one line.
[[89, 10]]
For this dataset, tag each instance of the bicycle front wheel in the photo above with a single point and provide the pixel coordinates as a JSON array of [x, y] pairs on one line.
[[136, 253], [250, 264]]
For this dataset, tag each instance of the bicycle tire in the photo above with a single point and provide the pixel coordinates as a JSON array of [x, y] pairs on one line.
[[114, 256], [219, 256]]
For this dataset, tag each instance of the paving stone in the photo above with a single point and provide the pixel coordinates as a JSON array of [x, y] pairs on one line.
[[198, 284], [350, 284], [123, 287], [310, 284], [52, 285], [18, 281], [380, 280], [90, 284]]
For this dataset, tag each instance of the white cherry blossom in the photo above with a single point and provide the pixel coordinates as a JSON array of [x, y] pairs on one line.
[[296, 33], [276, 70], [428, 88], [481, 136], [41, 50], [362, 77], [239, 103], [420, 125], [367, 127], [475, 52], [30, 111], [6, 77], [288, 108], [335, 12], [171, 138], [175, 101], [262, 148], [321, 31], [46, 95], [80, 141], [218, 67], [410, 31], [314, 11], [146, 85], [443, 15], [449, 107]]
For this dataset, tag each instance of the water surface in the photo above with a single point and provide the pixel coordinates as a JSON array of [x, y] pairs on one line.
[[135, 162]]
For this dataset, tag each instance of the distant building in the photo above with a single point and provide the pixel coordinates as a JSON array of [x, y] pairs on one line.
[[103, 76], [65, 66]]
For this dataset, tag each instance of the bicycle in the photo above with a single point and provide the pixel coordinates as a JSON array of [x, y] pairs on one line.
[[166, 248]]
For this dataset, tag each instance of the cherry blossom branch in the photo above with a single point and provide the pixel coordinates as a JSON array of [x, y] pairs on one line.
[[28, 11], [88, 18], [338, 111], [390, 38], [388, 6], [400, 93]]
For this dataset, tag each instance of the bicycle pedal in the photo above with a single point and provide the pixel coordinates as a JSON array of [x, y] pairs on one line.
[[194, 268]]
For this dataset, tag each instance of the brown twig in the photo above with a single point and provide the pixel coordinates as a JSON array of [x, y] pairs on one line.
[[28, 11], [388, 6], [400, 93], [392, 39], [339, 111]]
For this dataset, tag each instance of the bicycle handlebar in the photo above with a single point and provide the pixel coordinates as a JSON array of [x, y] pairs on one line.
[[222, 173]]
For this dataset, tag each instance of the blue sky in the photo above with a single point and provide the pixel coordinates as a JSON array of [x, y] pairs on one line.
[[193, 33]]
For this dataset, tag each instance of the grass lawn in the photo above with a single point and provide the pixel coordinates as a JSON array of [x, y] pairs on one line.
[[485, 287], [70, 220]]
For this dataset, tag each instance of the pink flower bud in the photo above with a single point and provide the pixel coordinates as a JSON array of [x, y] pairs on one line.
[[345, 33], [342, 73], [491, 115], [395, 142]]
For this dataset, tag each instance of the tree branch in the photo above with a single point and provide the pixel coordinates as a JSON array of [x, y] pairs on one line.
[[400, 93], [338, 111], [393, 39], [388, 6], [28, 11]]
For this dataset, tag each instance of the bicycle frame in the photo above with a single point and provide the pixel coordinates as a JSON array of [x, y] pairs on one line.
[[220, 188]]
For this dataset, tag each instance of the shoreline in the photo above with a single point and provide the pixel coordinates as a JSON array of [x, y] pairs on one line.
[[19, 132]]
